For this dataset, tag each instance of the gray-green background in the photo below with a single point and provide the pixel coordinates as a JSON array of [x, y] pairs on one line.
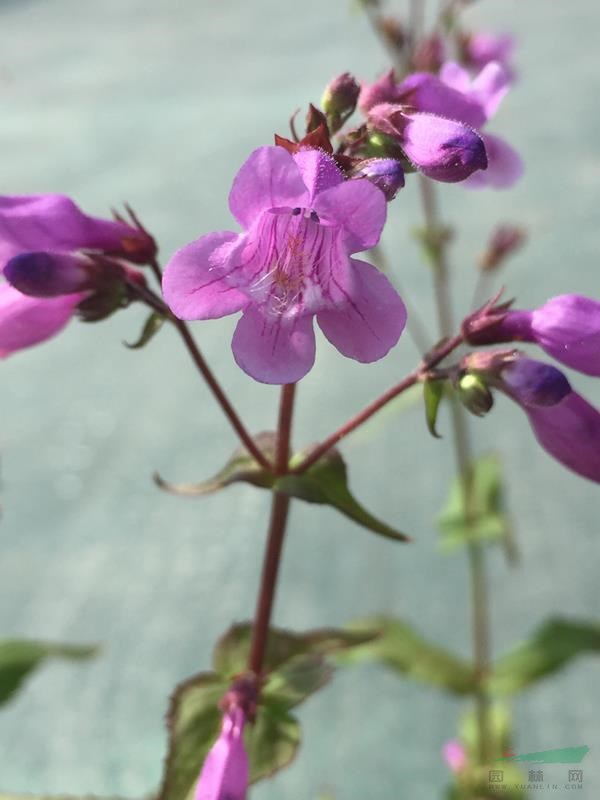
[[158, 103]]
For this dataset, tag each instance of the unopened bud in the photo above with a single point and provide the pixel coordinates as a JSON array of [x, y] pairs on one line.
[[341, 95], [504, 242], [45, 274], [386, 173], [474, 394]]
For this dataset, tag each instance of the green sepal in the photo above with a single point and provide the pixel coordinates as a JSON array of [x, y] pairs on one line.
[[433, 391], [326, 482], [551, 647], [486, 519], [19, 658], [400, 648], [151, 327]]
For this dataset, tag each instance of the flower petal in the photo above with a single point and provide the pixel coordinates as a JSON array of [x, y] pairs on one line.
[[371, 320], [319, 171], [225, 771], [54, 222], [568, 328], [46, 274], [455, 76], [193, 283], [490, 87], [443, 149], [269, 178], [505, 166], [570, 432], [26, 321], [274, 349], [428, 94], [359, 207]]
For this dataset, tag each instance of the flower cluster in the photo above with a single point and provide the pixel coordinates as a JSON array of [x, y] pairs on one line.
[[56, 260]]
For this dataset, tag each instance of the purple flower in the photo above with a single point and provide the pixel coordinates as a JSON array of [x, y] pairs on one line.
[[565, 424], [455, 96], [444, 149], [567, 327], [225, 771], [301, 222], [479, 49], [41, 237]]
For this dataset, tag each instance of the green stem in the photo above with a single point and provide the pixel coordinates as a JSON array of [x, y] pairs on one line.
[[277, 526], [480, 624]]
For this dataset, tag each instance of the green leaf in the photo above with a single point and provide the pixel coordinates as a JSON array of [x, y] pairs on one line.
[[241, 468], [194, 722], [231, 653], [151, 327], [296, 680], [552, 647], [326, 482], [18, 658], [272, 742], [486, 520], [403, 650], [433, 391]]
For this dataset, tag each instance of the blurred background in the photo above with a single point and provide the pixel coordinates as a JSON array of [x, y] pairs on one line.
[[158, 104]]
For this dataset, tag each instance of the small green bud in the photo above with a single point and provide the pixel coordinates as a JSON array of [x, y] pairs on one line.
[[474, 394], [340, 96]]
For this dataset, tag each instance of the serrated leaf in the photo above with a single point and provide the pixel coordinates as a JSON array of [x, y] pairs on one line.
[[231, 652], [194, 722], [272, 742], [326, 483], [151, 327], [433, 391], [296, 680], [18, 658], [486, 519], [553, 646], [403, 650], [241, 468]]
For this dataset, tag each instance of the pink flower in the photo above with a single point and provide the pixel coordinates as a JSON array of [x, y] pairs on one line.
[[40, 240], [454, 755], [301, 223], [225, 771]]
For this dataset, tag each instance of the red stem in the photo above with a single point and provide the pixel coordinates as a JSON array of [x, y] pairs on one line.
[[277, 525], [428, 363]]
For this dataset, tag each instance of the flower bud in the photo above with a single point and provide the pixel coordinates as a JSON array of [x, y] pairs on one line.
[[386, 173], [340, 95], [505, 241], [474, 394], [225, 771], [45, 274], [533, 383]]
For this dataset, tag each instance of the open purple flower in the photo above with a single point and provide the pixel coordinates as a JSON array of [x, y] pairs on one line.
[[302, 221], [41, 239], [225, 771], [564, 423], [471, 102]]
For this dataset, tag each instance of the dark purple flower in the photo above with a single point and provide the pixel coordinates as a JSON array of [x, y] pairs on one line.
[[440, 148], [386, 173], [301, 223], [225, 772], [567, 327], [41, 239]]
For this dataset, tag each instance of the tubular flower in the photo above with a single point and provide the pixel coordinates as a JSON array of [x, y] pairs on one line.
[[472, 102], [225, 771], [564, 423], [567, 327], [301, 223], [41, 237]]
